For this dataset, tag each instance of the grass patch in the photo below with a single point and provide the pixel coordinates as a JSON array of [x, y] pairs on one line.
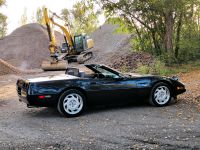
[[159, 68]]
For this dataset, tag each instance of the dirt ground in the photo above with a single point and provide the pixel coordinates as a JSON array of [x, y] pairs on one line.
[[126, 127]]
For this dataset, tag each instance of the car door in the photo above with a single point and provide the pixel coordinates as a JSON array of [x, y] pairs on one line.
[[110, 90]]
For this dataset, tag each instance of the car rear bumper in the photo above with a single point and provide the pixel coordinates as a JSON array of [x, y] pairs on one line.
[[33, 100]]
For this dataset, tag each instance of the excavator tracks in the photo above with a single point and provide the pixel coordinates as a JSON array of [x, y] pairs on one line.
[[84, 56]]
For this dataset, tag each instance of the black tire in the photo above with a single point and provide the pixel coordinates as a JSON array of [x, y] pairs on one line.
[[80, 97], [155, 101]]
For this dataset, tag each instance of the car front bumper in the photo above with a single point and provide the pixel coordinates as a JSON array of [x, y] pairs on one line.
[[180, 90]]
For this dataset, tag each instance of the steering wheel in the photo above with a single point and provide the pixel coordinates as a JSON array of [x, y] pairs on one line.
[[98, 75]]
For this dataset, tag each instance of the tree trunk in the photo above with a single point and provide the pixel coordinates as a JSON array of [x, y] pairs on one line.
[[137, 32], [191, 20], [168, 35], [178, 35], [155, 42], [139, 37]]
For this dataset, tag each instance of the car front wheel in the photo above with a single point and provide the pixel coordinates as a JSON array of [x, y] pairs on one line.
[[71, 103], [160, 95]]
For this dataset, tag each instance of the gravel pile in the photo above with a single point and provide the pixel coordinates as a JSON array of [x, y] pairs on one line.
[[109, 45], [132, 60], [6, 68], [27, 46], [115, 50]]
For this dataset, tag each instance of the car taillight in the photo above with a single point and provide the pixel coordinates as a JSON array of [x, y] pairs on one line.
[[41, 97], [44, 96]]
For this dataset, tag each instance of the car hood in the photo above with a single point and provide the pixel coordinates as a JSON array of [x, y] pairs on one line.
[[52, 78], [135, 75]]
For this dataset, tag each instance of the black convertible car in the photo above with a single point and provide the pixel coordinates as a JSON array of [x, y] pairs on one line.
[[98, 85]]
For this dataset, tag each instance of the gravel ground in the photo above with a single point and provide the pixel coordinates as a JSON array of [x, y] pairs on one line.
[[126, 127]]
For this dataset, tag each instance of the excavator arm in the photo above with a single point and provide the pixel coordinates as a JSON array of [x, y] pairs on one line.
[[67, 34], [55, 63], [52, 38]]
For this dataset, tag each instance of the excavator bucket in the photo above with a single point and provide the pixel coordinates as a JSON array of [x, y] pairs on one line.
[[54, 66]]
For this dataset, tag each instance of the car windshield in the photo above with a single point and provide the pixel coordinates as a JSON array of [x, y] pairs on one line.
[[108, 72]]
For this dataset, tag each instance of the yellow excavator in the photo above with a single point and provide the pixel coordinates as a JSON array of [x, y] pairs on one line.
[[75, 48]]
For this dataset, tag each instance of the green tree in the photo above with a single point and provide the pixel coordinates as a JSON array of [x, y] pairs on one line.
[[65, 14], [24, 18], [39, 15], [33, 20], [159, 25], [82, 17], [2, 2], [67, 17], [3, 23]]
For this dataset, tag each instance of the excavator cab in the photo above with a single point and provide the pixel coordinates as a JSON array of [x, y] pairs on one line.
[[79, 43], [82, 42], [64, 48]]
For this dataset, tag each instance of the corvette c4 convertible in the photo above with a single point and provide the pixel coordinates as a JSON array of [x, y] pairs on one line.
[[73, 90]]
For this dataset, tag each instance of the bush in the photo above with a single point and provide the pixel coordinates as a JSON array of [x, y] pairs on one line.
[[143, 69], [156, 68]]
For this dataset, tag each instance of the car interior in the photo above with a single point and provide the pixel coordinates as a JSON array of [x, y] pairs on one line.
[[76, 72], [102, 73], [83, 74]]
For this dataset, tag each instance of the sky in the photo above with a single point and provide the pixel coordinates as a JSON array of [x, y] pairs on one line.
[[15, 8]]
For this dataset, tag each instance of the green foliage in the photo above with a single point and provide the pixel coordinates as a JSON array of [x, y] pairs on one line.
[[159, 68], [24, 18], [82, 17], [168, 29], [68, 18], [2, 2], [3, 23], [124, 69], [143, 69], [33, 18], [65, 14], [156, 68], [39, 15], [122, 27]]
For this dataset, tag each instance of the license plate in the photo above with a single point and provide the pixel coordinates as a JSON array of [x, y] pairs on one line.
[[23, 93]]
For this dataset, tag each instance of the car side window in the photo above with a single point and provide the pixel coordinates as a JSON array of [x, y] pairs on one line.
[[107, 74]]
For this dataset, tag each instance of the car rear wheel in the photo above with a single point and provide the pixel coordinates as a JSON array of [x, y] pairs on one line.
[[160, 95], [71, 103]]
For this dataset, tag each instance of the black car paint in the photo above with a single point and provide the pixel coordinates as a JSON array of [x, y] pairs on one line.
[[98, 91]]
